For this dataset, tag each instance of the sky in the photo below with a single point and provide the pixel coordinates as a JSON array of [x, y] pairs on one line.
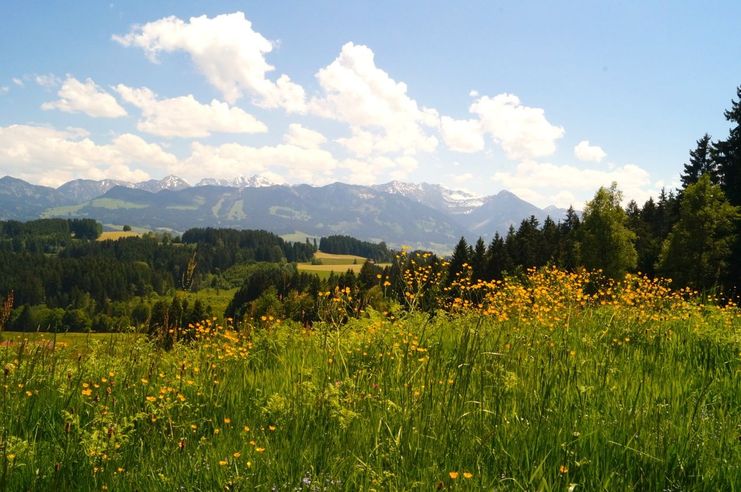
[[549, 100]]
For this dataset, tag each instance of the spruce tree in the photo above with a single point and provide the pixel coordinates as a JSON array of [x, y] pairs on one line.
[[459, 258], [701, 163], [478, 260]]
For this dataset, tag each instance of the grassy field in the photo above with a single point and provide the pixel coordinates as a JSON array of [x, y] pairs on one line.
[[334, 263], [113, 235], [540, 389]]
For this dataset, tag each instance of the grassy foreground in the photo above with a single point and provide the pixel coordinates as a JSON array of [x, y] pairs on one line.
[[595, 396]]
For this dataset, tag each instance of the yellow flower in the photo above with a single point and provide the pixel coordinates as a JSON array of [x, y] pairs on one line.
[[237, 454], [260, 450], [87, 392], [223, 462], [467, 475], [453, 475], [563, 469]]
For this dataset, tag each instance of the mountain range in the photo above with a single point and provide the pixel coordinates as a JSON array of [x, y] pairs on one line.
[[420, 215]]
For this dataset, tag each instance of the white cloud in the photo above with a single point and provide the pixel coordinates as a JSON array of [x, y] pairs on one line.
[[47, 81], [462, 135], [522, 131], [302, 165], [589, 153], [85, 97], [460, 179], [17, 81], [379, 168], [536, 181], [303, 137], [4, 89], [227, 51], [382, 117], [51, 156], [184, 116]]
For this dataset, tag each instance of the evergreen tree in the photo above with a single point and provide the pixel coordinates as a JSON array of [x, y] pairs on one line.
[[478, 260], [606, 242], [549, 240], [497, 259], [459, 258], [528, 242], [728, 154], [701, 162], [569, 256], [697, 250], [728, 157]]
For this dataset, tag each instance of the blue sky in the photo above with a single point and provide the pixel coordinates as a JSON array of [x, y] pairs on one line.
[[547, 99]]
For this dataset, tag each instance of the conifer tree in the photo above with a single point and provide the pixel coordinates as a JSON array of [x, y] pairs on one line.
[[701, 162], [459, 258], [478, 260]]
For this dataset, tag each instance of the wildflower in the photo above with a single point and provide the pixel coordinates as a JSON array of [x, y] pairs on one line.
[[260, 450], [223, 462], [467, 475], [453, 475], [87, 392], [563, 469], [236, 454]]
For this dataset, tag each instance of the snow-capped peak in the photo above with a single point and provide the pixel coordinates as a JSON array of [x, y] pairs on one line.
[[167, 183], [256, 181]]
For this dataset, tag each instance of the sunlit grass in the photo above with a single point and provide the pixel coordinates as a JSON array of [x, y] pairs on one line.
[[632, 389]]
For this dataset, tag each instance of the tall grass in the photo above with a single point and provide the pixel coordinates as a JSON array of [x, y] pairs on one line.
[[610, 397]]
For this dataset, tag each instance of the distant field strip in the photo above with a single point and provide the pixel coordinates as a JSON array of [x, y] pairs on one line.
[[113, 235]]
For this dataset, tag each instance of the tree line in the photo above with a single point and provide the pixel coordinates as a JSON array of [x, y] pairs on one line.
[[347, 245]]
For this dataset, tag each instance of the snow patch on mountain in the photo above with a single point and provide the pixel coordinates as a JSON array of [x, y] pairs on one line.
[[256, 181]]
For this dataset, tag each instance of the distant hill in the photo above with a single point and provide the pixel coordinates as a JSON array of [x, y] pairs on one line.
[[20, 200], [420, 215]]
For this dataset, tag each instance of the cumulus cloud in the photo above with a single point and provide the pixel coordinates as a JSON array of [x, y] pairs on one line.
[[4, 89], [227, 51], [378, 168], [52, 156], [303, 137], [382, 117], [460, 179], [85, 97], [184, 116], [522, 131], [589, 153], [535, 181], [302, 165], [18, 81], [462, 135]]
